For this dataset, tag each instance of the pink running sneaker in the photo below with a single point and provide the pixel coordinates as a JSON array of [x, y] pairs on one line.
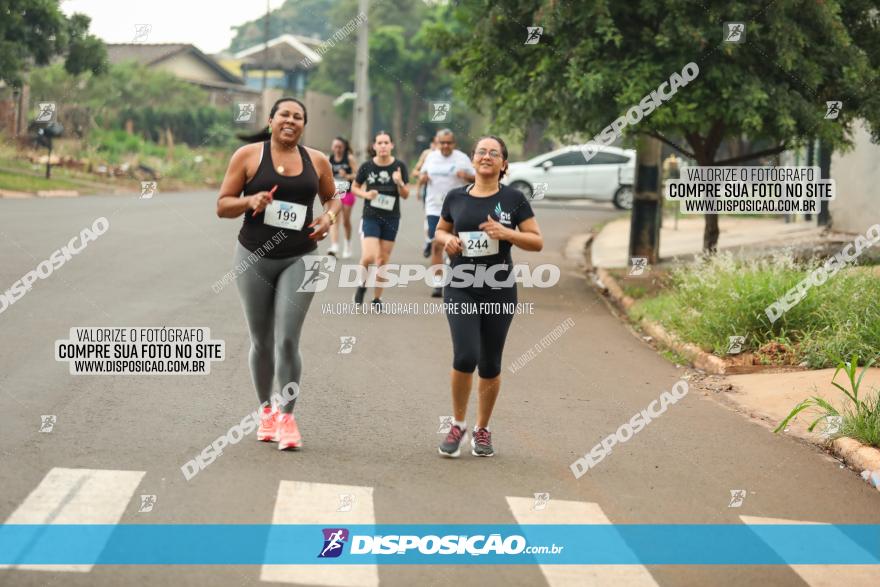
[[288, 433], [268, 430]]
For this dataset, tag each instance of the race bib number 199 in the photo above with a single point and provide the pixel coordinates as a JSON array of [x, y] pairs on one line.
[[285, 215], [383, 201], [477, 244]]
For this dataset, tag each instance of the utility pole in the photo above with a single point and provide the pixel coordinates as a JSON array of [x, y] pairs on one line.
[[266, 50], [644, 231], [824, 156], [360, 127]]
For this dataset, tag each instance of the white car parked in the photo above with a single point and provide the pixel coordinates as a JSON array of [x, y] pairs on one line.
[[565, 173]]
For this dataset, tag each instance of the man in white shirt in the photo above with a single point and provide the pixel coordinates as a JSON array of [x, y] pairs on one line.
[[445, 168]]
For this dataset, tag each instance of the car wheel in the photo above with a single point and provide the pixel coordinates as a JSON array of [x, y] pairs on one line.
[[623, 197], [523, 188]]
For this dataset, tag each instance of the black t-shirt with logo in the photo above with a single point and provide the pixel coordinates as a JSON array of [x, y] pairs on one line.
[[378, 177], [466, 213]]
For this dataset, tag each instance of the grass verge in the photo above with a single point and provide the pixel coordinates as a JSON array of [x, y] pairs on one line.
[[722, 296]]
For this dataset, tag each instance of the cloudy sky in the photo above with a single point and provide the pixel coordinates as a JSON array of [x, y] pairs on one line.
[[204, 23]]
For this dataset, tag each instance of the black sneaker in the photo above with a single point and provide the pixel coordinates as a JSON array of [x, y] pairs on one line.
[[427, 252], [437, 293], [481, 443], [450, 446], [359, 294], [377, 306]]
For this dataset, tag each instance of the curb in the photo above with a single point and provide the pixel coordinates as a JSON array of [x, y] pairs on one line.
[[700, 358], [12, 194], [57, 193], [857, 456]]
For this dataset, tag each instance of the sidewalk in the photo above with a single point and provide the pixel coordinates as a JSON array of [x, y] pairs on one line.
[[772, 396], [610, 247], [768, 396]]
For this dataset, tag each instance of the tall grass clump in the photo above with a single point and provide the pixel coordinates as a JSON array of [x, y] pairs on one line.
[[722, 295]]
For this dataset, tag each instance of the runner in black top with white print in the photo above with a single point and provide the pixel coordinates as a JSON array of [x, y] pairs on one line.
[[479, 225], [381, 181]]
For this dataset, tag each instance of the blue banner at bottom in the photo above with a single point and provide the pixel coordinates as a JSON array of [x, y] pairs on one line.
[[625, 544]]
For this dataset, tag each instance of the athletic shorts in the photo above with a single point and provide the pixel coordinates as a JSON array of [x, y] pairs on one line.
[[432, 225], [382, 228], [348, 199]]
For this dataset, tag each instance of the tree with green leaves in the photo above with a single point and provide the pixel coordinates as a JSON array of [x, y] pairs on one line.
[[34, 32], [596, 59], [406, 70], [153, 103], [298, 17]]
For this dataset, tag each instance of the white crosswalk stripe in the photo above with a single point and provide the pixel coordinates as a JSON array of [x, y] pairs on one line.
[[299, 502], [557, 511], [827, 575], [75, 496]]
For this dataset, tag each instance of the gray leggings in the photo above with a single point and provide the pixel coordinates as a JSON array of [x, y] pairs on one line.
[[275, 312]]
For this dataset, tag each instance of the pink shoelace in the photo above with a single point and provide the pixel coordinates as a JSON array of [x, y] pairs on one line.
[[483, 436]]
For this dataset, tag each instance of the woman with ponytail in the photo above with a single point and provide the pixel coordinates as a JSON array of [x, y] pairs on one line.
[[272, 183], [343, 162]]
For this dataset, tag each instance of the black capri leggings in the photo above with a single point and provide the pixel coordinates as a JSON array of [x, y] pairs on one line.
[[479, 327]]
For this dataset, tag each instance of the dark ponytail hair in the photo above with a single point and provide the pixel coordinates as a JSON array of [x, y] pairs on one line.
[[266, 133], [346, 146], [370, 149], [504, 153]]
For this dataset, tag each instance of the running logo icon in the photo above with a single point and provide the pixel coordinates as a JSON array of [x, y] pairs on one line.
[[734, 32], [639, 264], [141, 32], [148, 189], [47, 423], [445, 424], [346, 344], [147, 503], [541, 501], [334, 540], [539, 190], [346, 502], [735, 344], [245, 112], [46, 113], [318, 270], [737, 497], [534, 35], [440, 111], [832, 109], [342, 186], [832, 425]]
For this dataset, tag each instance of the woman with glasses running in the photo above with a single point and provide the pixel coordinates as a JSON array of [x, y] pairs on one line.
[[479, 225]]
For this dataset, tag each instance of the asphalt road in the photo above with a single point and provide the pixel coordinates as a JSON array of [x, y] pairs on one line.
[[369, 418]]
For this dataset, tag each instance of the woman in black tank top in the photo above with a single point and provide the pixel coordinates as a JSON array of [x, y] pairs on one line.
[[343, 164], [273, 183]]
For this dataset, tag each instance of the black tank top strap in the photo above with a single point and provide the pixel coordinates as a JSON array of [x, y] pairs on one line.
[[265, 158], [306, 160]]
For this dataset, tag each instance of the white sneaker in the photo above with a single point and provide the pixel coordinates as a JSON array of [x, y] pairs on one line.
[[346, 250], [334, 248]]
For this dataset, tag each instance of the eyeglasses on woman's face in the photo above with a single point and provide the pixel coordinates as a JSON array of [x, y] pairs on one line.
[[494, 154]]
